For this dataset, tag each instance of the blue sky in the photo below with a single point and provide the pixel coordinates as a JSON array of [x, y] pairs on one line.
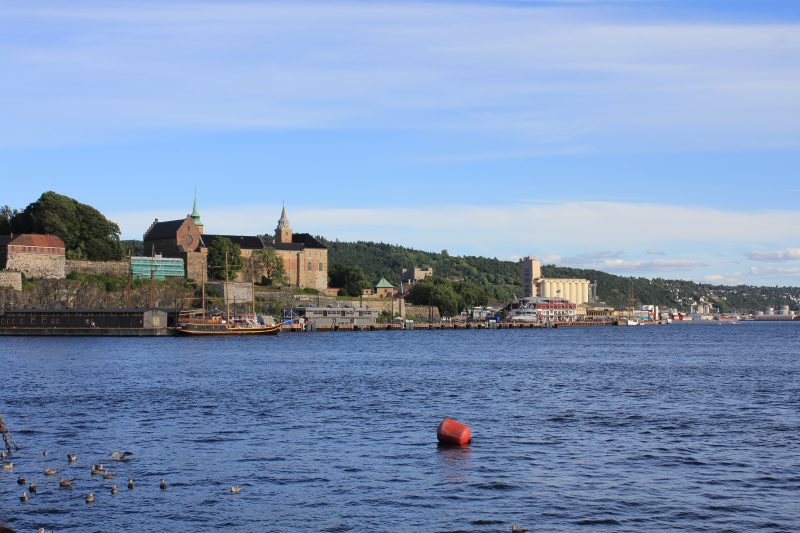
[[654, 138]]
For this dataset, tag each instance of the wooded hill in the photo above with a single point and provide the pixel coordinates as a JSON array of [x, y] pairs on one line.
[[500, 279]]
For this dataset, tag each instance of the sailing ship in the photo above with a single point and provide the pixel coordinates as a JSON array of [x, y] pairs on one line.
[[198, 322]]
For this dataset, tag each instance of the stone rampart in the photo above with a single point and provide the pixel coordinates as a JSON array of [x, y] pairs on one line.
[[39, 266], [11, 280], [97, 268]]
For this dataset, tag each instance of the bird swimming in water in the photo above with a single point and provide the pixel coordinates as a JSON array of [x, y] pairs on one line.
[[71, 457], [89, 498], [236, 490], [43, 530], [20, 480], [44, 453], [113, 489], [65, 483], [8, 467], [515, 529], [23, 497], [130, 483], [108, 475], [49, 472], [120, 456], [98, 469], [163, 485], [32, 488]]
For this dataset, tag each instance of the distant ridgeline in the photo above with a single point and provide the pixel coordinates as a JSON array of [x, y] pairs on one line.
[[87, 234], [501, 279]]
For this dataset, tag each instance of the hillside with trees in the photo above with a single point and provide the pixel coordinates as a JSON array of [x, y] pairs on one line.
[[86, 233], [499, 279]]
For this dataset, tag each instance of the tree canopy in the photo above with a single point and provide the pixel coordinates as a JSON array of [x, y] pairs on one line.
[[86, 233], [449, 297], [350, 279], [220, 251], [268, 265]]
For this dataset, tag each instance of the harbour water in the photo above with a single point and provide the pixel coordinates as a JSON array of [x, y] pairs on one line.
[[691, 427]]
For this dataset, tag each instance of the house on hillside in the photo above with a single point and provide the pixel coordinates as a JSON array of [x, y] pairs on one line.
[[34, 255], [384, 289]]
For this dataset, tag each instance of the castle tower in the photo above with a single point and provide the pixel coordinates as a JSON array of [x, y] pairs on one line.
[[283, 233], [196, 215]]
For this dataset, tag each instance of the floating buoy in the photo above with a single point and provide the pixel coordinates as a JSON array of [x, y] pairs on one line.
[[453, 433]]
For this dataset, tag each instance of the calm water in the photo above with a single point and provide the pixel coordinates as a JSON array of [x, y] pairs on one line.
[[661, 428]]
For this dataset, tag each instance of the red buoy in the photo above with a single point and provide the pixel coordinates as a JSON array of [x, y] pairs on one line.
[[453, 433]]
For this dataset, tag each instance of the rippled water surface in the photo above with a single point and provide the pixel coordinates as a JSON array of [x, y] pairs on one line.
[[652, 428]]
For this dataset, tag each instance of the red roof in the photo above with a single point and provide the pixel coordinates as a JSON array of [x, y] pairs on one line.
[[31, 239]]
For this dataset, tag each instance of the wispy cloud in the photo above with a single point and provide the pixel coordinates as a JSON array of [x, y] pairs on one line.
[[773, 272], [736, 278], [653, 251], [520, 229], [550, 78], [789, 254], [642, 266]]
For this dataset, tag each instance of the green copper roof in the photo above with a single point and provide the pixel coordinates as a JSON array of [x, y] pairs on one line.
[[195, 212], [383, 284]]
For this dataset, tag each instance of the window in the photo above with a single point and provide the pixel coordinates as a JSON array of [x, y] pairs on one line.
[[310, 266], [321, 267]]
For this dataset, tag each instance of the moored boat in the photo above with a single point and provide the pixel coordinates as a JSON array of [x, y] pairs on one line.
[[195, 322]]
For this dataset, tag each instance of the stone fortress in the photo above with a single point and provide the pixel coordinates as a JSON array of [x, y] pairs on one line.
[[35, 256], [305, 259]]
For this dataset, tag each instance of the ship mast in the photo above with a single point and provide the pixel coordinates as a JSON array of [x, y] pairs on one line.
[[227, 300]]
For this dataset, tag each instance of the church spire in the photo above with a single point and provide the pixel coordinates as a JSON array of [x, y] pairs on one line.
[[195, 212], [283, 233]]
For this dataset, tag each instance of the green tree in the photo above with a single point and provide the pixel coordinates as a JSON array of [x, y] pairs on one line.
[[436, 291], [269, 266], [220, 251], [84, 230], [471, 295], [350, 279], [6, 214]]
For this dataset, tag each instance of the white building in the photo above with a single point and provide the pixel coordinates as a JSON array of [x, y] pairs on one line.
[[534, 284]]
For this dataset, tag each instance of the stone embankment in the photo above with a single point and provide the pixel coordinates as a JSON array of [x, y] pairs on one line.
[[97, 268], [60, 293]]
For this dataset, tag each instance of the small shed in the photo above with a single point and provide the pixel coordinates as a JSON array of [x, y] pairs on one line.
[[384, 289]]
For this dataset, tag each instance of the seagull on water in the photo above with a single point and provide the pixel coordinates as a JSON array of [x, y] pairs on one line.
[[120, 456]]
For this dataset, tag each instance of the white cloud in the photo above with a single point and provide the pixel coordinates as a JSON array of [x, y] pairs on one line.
[[522, 229], [655, 252], [666, 265], [554, 79], [771, 272], [736, 278], [789, 254]]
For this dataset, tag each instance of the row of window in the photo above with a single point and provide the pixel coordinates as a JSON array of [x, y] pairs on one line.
[[311, 267], [38, 249]]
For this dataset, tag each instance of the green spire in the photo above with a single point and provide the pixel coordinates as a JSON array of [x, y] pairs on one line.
[[195, 213]]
